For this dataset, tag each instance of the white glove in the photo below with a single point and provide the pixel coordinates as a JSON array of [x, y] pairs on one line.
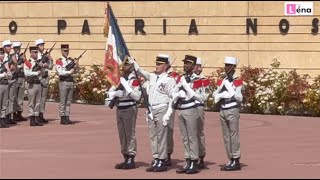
[[217, 98], [5, 75], [113, 94], [149, 116], [166, 119], [190, 92], [119, 93], [180, 94], [225, 95], [228, 85], [125, 84], [131, 60], [107, 102]]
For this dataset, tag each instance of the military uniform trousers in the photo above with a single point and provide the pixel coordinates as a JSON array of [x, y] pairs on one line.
[[3, 99], [34, 95], [170, 134], [188, 123], [158, 133], [230, 130], [12, 96], [65, 93], [44, 93], [20, 93], [200, 133], [126, 123]]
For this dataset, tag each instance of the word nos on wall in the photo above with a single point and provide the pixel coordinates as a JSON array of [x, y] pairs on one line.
[[193, 30]]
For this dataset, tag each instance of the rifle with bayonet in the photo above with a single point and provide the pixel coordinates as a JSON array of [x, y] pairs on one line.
[[44, 59], [21, 56]]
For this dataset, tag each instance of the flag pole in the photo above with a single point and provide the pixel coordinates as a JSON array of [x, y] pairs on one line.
[[143, 93]]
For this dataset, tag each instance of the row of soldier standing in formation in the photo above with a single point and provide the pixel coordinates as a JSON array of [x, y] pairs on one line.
[[185, 94], [18, 73]]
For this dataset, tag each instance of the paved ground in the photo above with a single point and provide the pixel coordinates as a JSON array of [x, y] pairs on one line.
[[272, 147]]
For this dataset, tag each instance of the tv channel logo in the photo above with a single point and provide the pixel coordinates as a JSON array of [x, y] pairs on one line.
[[298, 8]]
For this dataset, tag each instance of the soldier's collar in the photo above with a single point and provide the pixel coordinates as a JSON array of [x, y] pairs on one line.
[[163, 74]]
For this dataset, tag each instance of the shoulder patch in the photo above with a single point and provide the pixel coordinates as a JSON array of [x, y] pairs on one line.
[[179, 78], [205, 82], [135, 83], [173, 74], [237, 82], [59, 62], [28, 64], [197, 84]]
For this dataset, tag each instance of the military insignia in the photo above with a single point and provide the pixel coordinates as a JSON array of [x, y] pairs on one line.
[[161, 87]]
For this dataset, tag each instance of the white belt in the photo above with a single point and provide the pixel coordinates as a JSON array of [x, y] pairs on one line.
[[158, 106], [187, 105], [229, 105], [126, 103]]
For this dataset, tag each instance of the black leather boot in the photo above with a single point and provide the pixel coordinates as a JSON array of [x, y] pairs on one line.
[[38, 121], [161, 166], [9, 120], [130, 163], [185, 167], [42, 119], [34, 122], [227, 165], [3, 123], [168, 160], [201, 163], [193, 169], [155, 163], [20, 117], [69, 121], [15, 117], [120, 165], [234, 166], [64, 120]]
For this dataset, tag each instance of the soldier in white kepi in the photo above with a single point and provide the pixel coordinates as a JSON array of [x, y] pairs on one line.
[[13, 89], [48, 65], [10, 64], [161, 87], [228, 96], [20, 85], [125, 97], [199, 83], [3, 90]]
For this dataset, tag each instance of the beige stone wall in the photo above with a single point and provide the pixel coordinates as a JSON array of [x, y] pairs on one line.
[[221, 26]]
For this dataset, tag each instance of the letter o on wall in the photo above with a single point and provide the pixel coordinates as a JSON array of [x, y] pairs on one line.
[[13, 27], [284, 26]]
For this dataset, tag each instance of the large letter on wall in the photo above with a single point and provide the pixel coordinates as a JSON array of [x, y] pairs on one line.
[[164, 26], [253, 26], [193, 27], [62, 24], [85, 28], [315, 28], [284, 26], [138, 26], [13, 27]]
